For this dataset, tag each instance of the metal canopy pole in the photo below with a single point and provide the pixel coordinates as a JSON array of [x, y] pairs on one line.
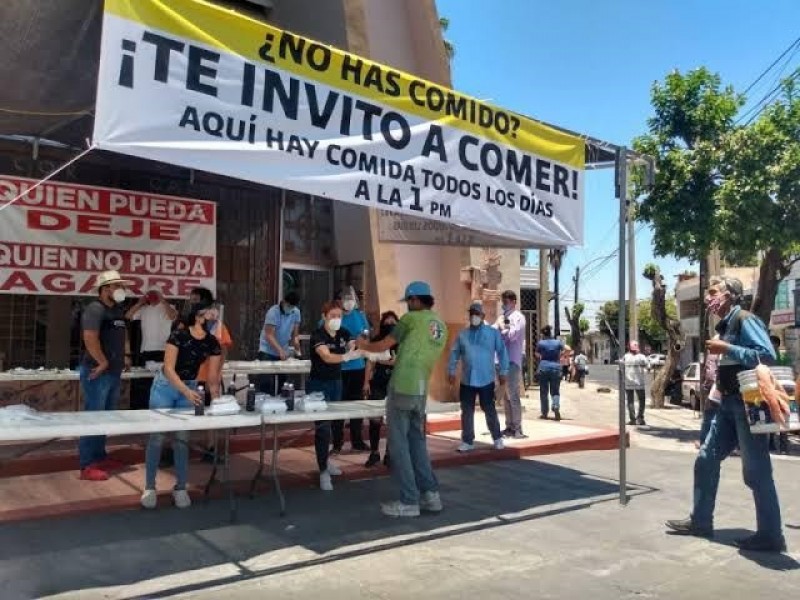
[[622, 194]]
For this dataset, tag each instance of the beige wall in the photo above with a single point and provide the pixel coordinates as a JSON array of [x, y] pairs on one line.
[[406, 35]]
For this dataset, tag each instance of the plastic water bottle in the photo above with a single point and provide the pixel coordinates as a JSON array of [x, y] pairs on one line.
[[287, 393], [250, 402], [231, 391], [200, 409]]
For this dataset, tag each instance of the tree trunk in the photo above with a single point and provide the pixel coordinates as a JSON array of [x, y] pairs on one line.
[[658, 309], [770, 273], [575, 328]]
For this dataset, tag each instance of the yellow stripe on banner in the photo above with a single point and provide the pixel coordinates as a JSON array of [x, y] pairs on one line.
[[232, 32]]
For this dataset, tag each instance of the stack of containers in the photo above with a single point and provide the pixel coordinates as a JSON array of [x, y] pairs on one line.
[[758, 414]]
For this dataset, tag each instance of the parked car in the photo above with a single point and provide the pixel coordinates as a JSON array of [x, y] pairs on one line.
[[691, 385], [656, 360]]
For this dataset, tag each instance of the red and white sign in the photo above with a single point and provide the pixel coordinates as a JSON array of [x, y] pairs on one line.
[[56, 238]]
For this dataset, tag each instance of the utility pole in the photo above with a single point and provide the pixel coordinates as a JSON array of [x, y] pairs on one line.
[[575, 281], [621, 181], [556, 291], [633, 331]]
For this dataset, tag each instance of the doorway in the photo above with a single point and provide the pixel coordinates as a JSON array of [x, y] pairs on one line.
[[314, 286]]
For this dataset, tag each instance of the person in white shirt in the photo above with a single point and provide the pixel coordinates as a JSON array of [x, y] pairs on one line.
[[635, 365], [580, 367], [156, 317]]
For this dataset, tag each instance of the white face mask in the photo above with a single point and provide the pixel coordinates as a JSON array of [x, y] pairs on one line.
[[334, 324], [349, 305], [475, 320], [119, 295]]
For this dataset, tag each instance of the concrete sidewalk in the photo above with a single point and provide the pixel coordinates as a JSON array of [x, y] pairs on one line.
[[544, 528], [671, 428]]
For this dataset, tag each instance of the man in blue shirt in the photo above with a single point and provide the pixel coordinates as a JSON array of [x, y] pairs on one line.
[[278, 340], [355, 323], [476, 347], [743, 343]]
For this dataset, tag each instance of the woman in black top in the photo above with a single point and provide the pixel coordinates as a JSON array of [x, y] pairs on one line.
[[329, 349], [376, 383], [175, 386]]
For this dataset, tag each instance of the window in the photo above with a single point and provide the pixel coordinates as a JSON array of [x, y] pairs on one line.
[[782, 295], [23, 331]]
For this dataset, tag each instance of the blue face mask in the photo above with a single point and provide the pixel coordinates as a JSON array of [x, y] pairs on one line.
[[507, 308]]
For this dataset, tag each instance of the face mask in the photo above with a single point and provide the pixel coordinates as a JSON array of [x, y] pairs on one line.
[[287, 308], [334, 324], [349, 305], [209, 326], [475, 320], [507, 308], [714, 304], [118, 296], [387, 328]]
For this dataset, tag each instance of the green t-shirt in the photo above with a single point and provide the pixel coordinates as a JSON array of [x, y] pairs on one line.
[[421, 336]]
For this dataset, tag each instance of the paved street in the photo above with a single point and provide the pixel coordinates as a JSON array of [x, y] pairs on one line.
[[546, 528], [550, 528]]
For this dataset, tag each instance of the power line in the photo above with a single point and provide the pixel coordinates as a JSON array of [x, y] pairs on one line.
[[766, 100], [794, 44]]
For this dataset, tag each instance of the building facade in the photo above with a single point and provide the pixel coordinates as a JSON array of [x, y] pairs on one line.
[[270, 240]]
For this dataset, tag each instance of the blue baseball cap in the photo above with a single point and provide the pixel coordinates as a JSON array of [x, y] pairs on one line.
[[417, 288], [476, 308]]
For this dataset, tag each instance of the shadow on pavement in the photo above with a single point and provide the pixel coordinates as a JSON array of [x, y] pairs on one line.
[[672, 433], [77, 554]]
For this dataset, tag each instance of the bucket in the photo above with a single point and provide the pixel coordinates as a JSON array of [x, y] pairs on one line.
[[758, 414]]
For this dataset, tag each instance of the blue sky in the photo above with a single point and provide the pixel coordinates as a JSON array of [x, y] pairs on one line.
[[589, 66]]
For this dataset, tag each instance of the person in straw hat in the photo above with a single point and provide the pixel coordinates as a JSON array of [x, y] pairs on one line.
[[105, 354]]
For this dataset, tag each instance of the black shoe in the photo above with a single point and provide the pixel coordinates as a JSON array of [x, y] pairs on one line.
[[557, 414], [386, 461], [359, 446], [336, 450], [374, 459], [632, 422], [543, 416], [758, 543], [686, 527], [640, 421]]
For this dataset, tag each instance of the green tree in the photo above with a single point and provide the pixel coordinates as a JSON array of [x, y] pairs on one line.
[[650, 329], [692, 115], [450, 50], [759, 196]]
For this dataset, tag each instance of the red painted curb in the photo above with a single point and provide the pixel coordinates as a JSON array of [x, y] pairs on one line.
[[601, 440]]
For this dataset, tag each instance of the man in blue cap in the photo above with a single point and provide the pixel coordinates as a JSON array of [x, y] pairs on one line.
[[421, 337], [476, 348]]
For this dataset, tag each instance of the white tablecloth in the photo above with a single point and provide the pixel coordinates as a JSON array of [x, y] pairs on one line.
[[238, 367], [125, 422]]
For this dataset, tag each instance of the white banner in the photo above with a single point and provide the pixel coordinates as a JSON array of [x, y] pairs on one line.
[[199, 86], [56, 238]]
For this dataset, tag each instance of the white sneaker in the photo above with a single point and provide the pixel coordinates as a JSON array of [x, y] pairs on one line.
[[181, 498], [325, 483], [398, 509], [465, 447], [498, 444], [333, 469], [430, 502], [149, 499]]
